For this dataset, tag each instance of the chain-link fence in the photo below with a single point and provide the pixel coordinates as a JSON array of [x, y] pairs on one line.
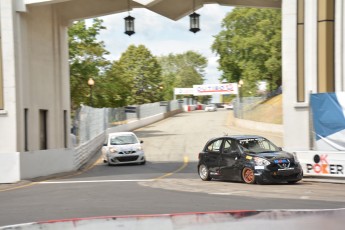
[[254, 108], [90, 122]]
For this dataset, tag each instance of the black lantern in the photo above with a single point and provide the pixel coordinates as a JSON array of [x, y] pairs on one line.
[[194, 22], [129, 25]]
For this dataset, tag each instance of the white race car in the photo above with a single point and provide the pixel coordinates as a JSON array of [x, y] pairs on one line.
[[123, 148]]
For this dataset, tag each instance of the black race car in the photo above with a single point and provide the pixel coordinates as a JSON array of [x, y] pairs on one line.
[[248, 158]]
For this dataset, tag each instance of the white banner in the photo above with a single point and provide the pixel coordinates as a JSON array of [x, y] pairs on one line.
[[211, 89], [322, 163]]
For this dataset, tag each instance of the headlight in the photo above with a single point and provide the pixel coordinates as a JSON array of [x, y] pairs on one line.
[[139, 148], [112, 150], [261, 161]]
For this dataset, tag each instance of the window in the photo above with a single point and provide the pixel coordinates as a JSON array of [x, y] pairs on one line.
[[26, 114], [65, 133], [230, 146], [214, 146], [123, 140], [268, 145], [43, 128]]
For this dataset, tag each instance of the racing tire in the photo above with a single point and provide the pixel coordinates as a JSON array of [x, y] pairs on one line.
[[204, 173], [293, 182], [248, 175]]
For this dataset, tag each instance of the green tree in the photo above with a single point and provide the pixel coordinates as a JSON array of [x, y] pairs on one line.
[[113, 85], [86, 59], [140, 75], [182, 71], [249, 47]]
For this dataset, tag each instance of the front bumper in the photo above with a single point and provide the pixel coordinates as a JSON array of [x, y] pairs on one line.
[[117, 159], [278, 176]]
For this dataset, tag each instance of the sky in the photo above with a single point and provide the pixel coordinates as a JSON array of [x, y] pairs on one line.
[[163, 36]]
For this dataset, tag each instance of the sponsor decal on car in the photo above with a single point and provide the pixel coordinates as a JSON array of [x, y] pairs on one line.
[[282, 161], [259, 167], [283, 164], [285, 169]]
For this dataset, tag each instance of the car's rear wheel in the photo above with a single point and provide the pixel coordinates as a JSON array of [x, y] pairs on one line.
[[248, 175], [204, 173]]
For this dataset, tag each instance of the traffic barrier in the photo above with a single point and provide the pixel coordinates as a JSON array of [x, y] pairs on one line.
[[200, 107], [188, 108], [248, 220], [322, 163]]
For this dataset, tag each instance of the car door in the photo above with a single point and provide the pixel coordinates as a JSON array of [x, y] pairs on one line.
[[230, 160], [212, 155]]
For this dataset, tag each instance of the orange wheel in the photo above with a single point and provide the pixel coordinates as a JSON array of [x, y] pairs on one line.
[[248, 175]]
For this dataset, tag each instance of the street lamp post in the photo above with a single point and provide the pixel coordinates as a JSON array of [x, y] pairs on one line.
[[91, 83], [240, 84]]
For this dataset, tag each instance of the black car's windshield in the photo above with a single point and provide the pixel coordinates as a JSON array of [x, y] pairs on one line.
[[257, 145], [123, 140]]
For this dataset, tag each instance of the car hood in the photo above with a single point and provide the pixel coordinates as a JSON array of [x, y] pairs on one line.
[[275, 155], [126, 147]]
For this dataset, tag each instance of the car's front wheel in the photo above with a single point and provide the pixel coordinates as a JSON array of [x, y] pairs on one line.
[[204, 173], [248, 175]]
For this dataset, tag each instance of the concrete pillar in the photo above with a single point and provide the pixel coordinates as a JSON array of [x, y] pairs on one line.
[[9, 157]]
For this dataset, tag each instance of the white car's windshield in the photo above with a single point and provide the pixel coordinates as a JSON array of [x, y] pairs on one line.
[[257, 145], [123, 140]]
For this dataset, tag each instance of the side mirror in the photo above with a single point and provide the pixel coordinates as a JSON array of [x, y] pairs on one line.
[[280, 148], [141, 142]]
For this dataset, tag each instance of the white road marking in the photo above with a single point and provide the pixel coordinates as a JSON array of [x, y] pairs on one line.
[[90, 181], [227, 193]]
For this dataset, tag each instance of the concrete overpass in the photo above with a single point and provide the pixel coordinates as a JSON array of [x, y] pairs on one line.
[[34, 81]]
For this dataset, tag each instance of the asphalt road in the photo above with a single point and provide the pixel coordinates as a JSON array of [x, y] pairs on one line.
[[168, 183]]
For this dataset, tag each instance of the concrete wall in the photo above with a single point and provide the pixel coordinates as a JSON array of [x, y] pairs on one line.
[[9, 167], [340, 45], [47, 162], [296, 115], [43, 78], [260, 126], [9, 156], [35, 73], [8, 116]]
